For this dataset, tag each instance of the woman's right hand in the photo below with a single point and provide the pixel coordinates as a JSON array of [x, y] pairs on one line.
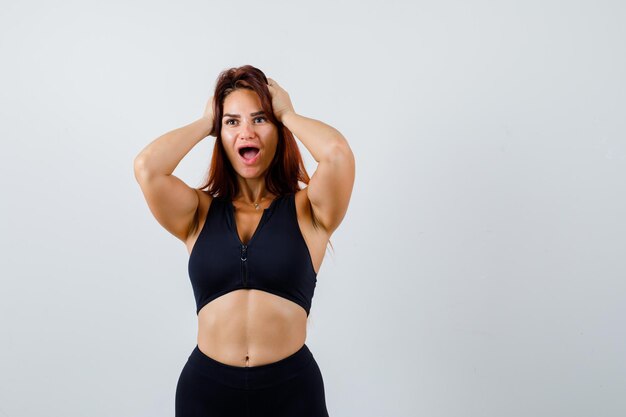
[[208, 110]]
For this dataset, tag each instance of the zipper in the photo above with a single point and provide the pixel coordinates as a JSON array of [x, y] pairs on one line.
[[244, 247], [244, 264]]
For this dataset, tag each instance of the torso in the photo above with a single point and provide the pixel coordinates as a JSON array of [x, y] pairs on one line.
[[248, 327]]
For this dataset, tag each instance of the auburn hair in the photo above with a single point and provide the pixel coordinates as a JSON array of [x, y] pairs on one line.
[[287, 168]]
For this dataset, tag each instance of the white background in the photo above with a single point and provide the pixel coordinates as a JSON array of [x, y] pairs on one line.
[[479, 270]]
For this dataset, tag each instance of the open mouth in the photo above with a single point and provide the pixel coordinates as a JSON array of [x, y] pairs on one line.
[[249, 154]]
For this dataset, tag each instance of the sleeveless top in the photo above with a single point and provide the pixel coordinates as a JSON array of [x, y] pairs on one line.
[[276, 258]]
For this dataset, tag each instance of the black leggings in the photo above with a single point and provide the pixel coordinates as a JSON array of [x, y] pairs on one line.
[[290, 387]]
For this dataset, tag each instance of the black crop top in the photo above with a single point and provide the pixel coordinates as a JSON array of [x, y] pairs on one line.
[[275, 260]]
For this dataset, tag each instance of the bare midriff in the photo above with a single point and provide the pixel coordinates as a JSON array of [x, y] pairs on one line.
[[249, 327]]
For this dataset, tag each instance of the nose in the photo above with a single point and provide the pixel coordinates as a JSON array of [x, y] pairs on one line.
[[246, 130]]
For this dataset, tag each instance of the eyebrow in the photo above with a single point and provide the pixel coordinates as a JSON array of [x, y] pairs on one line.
[[251, 114]]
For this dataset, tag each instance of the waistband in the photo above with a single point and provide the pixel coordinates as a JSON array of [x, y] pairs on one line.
[[252, 377]]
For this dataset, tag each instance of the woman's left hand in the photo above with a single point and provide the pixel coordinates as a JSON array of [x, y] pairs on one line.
[[281, 103]]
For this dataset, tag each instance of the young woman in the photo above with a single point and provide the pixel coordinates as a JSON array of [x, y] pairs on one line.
[[256, 241]]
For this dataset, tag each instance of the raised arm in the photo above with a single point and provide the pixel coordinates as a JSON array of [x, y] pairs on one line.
[[172, 202], [331, 184], [330, 187]]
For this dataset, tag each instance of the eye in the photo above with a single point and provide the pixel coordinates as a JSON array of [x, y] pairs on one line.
[[227, 122]]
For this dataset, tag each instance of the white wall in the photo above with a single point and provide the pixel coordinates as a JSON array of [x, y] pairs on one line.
[[479, 269]]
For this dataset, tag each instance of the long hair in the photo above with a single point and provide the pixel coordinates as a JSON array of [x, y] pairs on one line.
[[286, 169]]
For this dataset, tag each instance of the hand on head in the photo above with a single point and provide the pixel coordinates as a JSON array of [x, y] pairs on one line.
[[208, 110], [281, 103]]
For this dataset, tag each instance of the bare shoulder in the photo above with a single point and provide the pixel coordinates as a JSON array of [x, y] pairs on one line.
[[205, 197], [315, 236], [204, 203], [306, 215]]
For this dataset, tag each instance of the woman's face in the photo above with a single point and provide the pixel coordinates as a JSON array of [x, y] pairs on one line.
[[244, 125]]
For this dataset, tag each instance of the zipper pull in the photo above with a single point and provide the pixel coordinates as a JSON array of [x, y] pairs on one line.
[[244, 265]]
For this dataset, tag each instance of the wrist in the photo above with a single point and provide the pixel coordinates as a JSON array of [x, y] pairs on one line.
[[206, 124], [287, 115]]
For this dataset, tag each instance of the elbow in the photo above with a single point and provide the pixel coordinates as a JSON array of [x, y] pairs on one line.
[[139, 163], [340, 150], [140, 167]]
